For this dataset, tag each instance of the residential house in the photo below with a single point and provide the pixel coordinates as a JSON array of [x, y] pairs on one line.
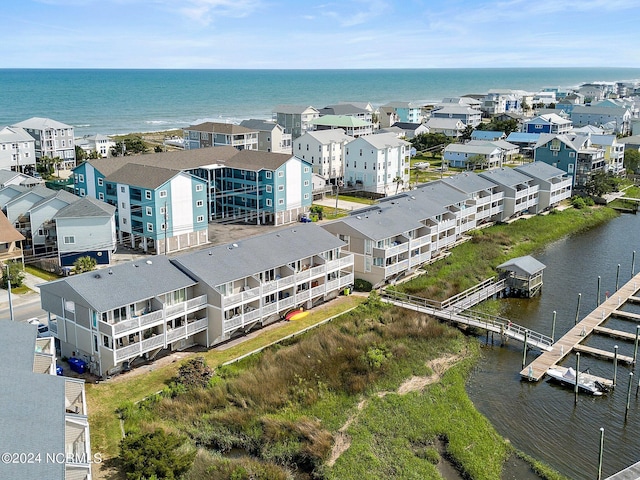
[[466, 114], [575, 154], [548, 123], [618, 117], [507, 116], [411, 130], [215, 134], [483, 196], [271, 136], [159, 209], [10, 242], [295, 118], [324, 150], [451, 127], [593, 92], [520, 191], [92, 144], [9, 177], [85, 228], [472, 156], [404, 112], [17, 150], [488, 135], [613, 153], [257, 280], [38, 220], [45, 415], [348, 109], [509, 150], [524, 141], [53, 139], [387, 116], [554, 185], [111, 317], [500, 101], [377, 163], [352, 126]]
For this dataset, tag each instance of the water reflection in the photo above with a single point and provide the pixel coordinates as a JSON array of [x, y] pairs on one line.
[[541, 418]]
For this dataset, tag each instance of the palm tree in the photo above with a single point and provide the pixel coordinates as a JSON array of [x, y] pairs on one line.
[[398, 181], [84, 264]]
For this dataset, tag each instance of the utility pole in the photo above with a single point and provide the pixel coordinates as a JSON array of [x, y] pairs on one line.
[[9, 292], [166, 226]]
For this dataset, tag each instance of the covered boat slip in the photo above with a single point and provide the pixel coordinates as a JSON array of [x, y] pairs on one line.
[[572, 340]]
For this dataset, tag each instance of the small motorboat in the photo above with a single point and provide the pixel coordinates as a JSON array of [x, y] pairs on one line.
[[586, 382]]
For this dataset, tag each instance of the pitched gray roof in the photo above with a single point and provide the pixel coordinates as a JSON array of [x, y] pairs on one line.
[[122, 284], [381, 221], [541, 170], [258, 160], [293, 109], [469, 182], [224, 263], [86, 207], [217, 127], [63, 195], [526, 264], [39, 123], [143, 176], [260, 125], [33, 407], [342, 109], [505, 176]]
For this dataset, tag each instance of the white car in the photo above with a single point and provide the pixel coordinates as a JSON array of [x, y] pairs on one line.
[[43, 330], [422, 164]]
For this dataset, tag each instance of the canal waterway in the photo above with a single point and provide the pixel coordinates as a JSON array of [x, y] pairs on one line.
[[541, 418]]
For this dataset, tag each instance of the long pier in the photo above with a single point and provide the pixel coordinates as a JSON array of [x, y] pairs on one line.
[[571, 341]]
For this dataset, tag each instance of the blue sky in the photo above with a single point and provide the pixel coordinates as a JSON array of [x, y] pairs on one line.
[[302, 34]]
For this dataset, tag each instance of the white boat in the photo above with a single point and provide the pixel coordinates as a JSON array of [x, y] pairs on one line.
[[586, 382]]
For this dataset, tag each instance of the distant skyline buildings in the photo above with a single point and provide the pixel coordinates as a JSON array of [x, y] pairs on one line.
[[260, 34]]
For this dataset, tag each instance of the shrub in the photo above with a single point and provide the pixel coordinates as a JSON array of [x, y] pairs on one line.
[[16, 275], [360, 285], [154, 454], [84, 264], [578, 202], [195, 373]]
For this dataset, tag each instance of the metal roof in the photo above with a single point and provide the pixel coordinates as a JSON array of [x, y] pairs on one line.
[[526, 264]]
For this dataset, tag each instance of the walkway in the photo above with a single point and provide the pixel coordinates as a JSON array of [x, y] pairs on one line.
[[573, 338]]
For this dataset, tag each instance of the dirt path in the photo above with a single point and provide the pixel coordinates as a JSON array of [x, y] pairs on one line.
[[439, 366]]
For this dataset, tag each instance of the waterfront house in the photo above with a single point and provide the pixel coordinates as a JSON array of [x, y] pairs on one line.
[[554, 185], [17, 150], [613, 153], [38, 220], [85, 228], [349, 109], [9, 177], [509, 150], [17, 207], [324, 150], [215, 134], [295, 118], [377, 163], [100, 144], [246, 288], [45, 415], [483, 196], [410, 130], [472, 156], [526, 142], [159, 209], [548, 123], [604, 113], [387, 116], [575, 154], [53, 139], [271, 136], [110, 317], [520, 191], [352, 126], [451, 127]]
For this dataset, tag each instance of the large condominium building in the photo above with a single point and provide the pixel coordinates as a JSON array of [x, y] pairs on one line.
[[17, 150], [214, 134], [53, 139]]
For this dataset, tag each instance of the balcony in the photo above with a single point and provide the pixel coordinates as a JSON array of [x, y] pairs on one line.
[[185, 307], [74, 399]]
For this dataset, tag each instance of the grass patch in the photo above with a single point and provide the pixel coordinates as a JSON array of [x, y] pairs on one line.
[[43, 274]]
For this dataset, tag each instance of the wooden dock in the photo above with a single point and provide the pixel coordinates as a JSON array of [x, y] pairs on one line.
[[596, 352], [615, 333], [576, 335], [629, 473]]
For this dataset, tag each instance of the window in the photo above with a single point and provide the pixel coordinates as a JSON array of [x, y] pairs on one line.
[[100, 182], [150, 227], [149, 211], [281, 201], [269, 188], [306, 183], [268, 202], [163, 227], [81, 178], [200, 218], [124, 205], [281, 188], [69, 239], [147, 194], [306, 196], [82, 192], [122, 189], [124, 221], [163, 194], [572, 154], [199, 187], [280, 174], [199, 203], [101, 196], [267, 174], [162, 210], [306, 169]]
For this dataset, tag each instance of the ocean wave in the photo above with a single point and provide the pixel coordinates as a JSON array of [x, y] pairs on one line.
[[84, 125], [157, 122]]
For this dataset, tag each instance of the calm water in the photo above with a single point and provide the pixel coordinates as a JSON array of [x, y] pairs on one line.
[[540, 418], [121, 101]]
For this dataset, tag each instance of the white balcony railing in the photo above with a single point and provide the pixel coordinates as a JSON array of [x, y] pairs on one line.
[[176, 333], [197, 326]]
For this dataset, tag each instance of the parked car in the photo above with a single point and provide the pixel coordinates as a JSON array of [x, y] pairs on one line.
[[43, 330], [422, 164]]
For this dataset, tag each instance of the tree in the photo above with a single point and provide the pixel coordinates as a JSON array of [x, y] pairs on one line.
[[476, 161], [398, 181], [85, 264], [81, 155], [602, 183], [631, 160], [466, 133], [426, 141], [16, 275], [145, 455]]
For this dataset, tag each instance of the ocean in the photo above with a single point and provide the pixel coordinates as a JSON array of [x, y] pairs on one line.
[[123, 101]]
